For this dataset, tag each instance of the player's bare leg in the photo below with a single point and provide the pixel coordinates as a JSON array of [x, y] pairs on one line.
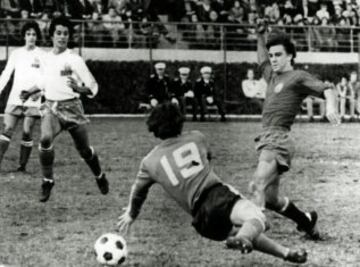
[[50, 127], [265, 189], [10, 122], [26, 142], [249, 235], [81, 140]]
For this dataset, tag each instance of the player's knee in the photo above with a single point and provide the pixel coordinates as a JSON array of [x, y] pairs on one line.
[[245, 210], [272, 201], [86, 152]]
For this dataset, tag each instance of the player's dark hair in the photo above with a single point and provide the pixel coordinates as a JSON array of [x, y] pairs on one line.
[[165, 121], [60, 21], [282, 39], [31, 25]]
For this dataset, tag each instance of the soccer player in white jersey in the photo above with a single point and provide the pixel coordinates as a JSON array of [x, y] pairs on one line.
[[181, 165], [65, 77], [24, 62]]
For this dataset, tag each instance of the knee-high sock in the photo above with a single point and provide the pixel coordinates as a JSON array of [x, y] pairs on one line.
[[292, 212], [94, 163], [25, 151], [47, 156], [4, 145]]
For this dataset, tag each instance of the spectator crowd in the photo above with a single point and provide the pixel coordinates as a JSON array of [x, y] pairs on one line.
[[113, 21]]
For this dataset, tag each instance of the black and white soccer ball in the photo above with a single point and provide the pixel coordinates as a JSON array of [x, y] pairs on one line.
[[110, 249]]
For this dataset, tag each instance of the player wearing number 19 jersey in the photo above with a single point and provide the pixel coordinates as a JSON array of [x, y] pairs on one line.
[[180, 164]]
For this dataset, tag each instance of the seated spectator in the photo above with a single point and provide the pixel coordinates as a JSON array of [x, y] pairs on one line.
[[272, 12], [114, 25], [99, 6], [323, 11], [34, 7], [310, 8], [158, 88], [300, 33], [212, 32], [220, 7], [43, 22], [254, 90], [346, 98], [350, 14], [97, 34], [203, 11], [343, 35], [327, 34], [118, 5], [290, 8], [11, 8], [182, 91], [207, 94]]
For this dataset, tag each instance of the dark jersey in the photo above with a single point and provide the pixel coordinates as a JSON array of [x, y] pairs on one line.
[[285, 93], [202, 88], [181, 166], [158, 88], [179, 88]]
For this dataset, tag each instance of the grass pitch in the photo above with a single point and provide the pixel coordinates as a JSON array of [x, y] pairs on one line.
[[61, 232]]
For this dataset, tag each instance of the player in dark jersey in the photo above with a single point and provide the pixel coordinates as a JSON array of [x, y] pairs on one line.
[[180, 164], [286, 90]]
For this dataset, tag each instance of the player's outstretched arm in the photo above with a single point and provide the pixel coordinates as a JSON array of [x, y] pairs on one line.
[[262, 52], [137, 198], [331, 107]]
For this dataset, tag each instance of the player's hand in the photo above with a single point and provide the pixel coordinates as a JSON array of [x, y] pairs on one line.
[[210, 100], [261, 26], [36, 96], [24, 95], [154, 102], [333, 116], [125, 222], [73, 84], [174, 101]]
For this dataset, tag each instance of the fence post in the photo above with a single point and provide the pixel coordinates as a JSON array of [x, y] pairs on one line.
[[224, 60], [351, 40], [309, 38]]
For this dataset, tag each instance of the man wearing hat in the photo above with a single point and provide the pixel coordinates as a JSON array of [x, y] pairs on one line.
[[206, 94], [157, 87], [182, 91]]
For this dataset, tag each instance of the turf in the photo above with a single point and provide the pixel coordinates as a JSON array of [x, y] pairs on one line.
[[324, 176]]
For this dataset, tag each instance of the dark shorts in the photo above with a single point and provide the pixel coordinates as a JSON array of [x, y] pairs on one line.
[[22, 111], [276, 144], [69, 113], [211, 214]]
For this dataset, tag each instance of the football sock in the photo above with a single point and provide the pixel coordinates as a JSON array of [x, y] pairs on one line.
[[25, 151], [4, 145], [264, 244], [292, 212], [47, 156], [94, 163], [251, 229]]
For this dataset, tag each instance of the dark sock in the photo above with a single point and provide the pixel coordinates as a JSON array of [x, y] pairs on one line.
[[298, 216], [47, 156], [25, 151], [94, 164], [4, 145]]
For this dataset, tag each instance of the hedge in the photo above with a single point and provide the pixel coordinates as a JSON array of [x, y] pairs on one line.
[[121, 84]]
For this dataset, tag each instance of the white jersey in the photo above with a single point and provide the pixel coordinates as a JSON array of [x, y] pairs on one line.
[[56, 69], [26, 64]]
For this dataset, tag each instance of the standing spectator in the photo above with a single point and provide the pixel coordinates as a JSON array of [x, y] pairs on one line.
[[254, 90], [206, 94], [182, 90], [350, 13], [272, 12], [354, 85], [327, 40], [114, 25], [97, 33], [346, 96], [100, 6], [43, 22], [158, 87], [203, 11]]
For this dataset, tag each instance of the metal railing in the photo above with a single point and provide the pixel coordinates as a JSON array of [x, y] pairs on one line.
[[209, 36]]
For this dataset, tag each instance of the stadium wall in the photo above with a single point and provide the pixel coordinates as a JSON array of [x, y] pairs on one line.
[[122, 82]]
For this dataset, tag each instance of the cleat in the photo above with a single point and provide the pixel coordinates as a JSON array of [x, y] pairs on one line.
[[103, 184], [239, 243], [311, 231], [296, 256], [46, 190], [21, 169]]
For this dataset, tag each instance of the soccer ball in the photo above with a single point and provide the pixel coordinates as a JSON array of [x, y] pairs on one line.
[[110, 249]]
